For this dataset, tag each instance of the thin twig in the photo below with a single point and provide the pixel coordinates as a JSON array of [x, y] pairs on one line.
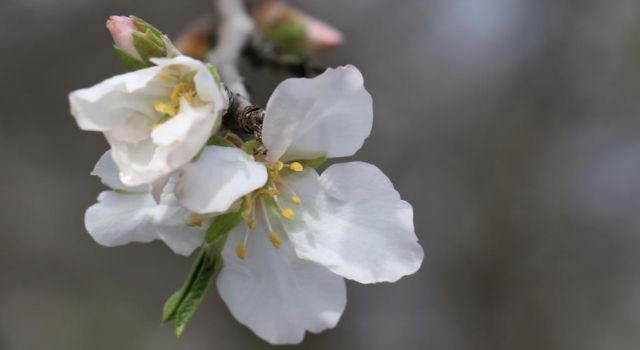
[[233, 32]]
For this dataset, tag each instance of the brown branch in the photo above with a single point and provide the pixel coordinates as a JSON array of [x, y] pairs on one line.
[[242, 116]]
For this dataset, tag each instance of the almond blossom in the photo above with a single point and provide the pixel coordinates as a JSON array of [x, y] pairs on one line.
[[155, 119], [305, 232]]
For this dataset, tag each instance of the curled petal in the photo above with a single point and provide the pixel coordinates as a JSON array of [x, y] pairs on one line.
[[107, 171], [220, 177]]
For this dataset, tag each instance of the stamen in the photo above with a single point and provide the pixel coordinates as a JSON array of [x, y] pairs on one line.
[[294, 196], [165, 107], [196, 220], [165, 76], [288, 213], [277, 166], [251, 223], [275, 239], [273, 236], [241, 250], [296, 166]]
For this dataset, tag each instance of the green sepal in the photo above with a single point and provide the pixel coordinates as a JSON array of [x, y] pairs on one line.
[[292, 38], [147, 47], [216, 140], [130, 62], [251, 146], [143, 26], [214, 73], [221, 225], [314, 163]]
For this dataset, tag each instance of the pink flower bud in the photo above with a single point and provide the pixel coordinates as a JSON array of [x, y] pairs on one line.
[[322, 35], [122, 29], [318, 34]]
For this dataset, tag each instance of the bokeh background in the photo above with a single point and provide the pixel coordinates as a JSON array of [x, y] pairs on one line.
[[512, 126]]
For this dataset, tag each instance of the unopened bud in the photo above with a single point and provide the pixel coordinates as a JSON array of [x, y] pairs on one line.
[[293, 30], [122, 29], [136, 41]]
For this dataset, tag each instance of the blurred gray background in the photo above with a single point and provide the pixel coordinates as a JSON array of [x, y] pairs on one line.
[[512, 126]]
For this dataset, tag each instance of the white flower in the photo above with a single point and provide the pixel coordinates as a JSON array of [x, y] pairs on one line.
[[155, 119], [130, 214], [283, 271]]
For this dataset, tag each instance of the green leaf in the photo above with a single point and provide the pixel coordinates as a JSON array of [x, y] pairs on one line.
[[171, 305], [183, 304], [221, 225], [195, 294], [216, 140], [130, 62]]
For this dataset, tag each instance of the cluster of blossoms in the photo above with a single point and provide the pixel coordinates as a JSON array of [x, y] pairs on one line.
[[278, 237]]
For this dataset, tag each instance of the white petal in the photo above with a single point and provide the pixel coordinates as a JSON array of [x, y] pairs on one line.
[[353, 222], [169, 219], [107, 171], [329, 115], [180, 139], [221, 176], [158, 186], [179, 127], [118, 219], [276, 294], [111, 102]]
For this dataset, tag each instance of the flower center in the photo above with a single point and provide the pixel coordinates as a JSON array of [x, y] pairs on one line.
[[271, 202], [171, 106]]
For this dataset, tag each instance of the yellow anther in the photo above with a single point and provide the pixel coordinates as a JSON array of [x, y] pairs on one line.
[[241, 250], [288, 213], [269, 192], [171, 107], [186, 90], [165, 107], [275, 239], [251, 223], [296, 200], [277, 166], [296, 166], [165, 76], [196, 220]]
